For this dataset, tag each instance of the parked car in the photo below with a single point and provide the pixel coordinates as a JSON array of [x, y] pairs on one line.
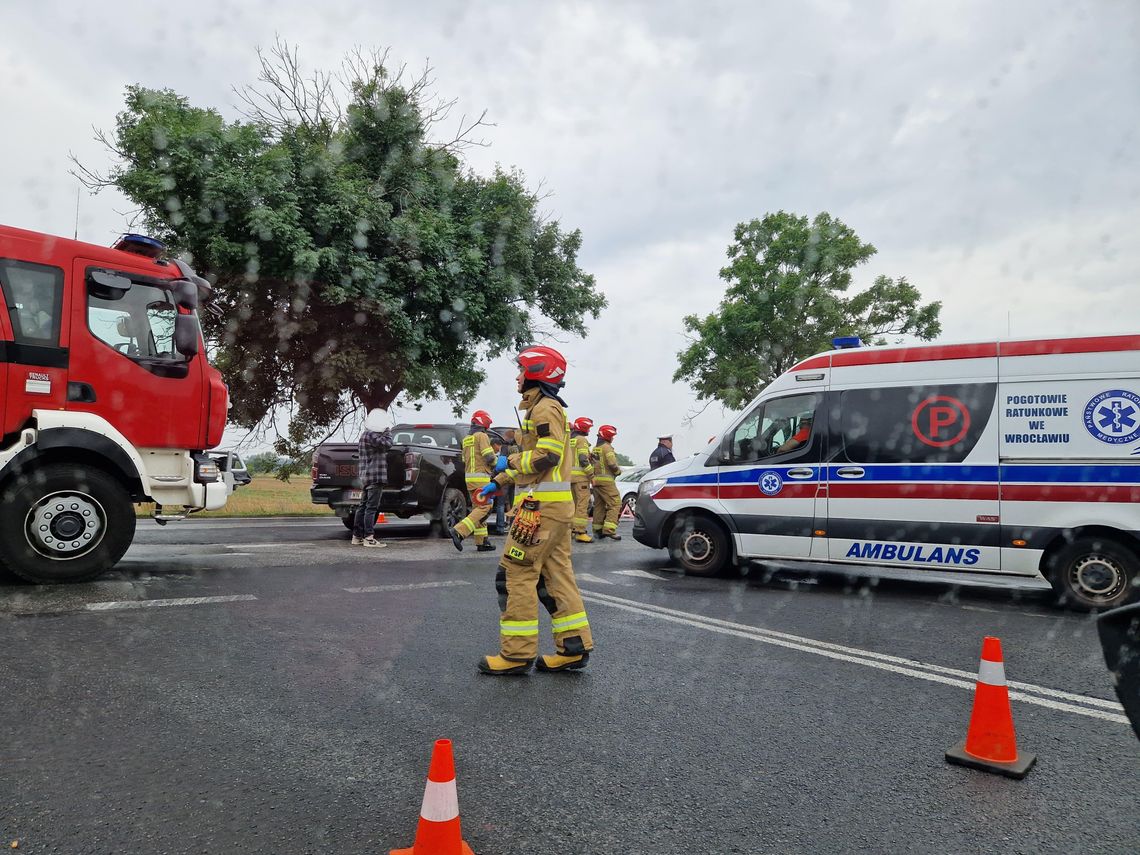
[[232, 469], [425, 476]]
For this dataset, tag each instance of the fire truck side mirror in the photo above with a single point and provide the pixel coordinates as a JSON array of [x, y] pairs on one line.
[[185, 294], [186, 334]]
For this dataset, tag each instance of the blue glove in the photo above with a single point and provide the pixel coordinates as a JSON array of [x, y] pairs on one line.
[[488, 490], [501, 464]]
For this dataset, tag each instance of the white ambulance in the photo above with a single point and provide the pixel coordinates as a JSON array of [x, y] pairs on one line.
[[996, 460]]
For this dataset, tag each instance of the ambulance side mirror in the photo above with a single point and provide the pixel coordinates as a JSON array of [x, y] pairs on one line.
[[1119, 632]]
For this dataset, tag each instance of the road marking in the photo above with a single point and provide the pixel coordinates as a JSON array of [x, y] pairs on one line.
[[375, 589], [640, 574], [871, 659], [151, 604], [590, 577]]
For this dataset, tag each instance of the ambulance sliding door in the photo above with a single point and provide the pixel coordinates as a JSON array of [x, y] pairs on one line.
[[912, 472], [771, 482]]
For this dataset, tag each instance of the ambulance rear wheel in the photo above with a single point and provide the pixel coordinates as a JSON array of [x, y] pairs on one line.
[[1094, 573], [699, 545], [64, 523]]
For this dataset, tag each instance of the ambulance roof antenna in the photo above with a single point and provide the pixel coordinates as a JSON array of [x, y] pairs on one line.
[[77, 213]]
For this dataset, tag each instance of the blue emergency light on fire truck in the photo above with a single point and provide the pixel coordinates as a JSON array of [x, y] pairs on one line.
[[993, 461]]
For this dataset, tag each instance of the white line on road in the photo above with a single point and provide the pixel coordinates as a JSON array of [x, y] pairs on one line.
[[590, 577], [881, 661], [375, 589], [640, 574], [179, 601]]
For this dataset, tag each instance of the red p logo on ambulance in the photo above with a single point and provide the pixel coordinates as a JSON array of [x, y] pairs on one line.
[[940, 421]]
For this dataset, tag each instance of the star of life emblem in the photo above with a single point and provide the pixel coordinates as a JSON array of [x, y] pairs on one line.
[[771, 483], [1114, 416]]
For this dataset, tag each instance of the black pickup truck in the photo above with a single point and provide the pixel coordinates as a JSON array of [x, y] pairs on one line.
[[425, 476]]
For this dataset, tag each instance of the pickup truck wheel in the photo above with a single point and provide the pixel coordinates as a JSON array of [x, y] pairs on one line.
[[350, 520], [452, 508], [64, 523]]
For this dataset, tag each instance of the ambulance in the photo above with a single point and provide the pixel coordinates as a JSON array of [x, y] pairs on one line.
[[997, 461]]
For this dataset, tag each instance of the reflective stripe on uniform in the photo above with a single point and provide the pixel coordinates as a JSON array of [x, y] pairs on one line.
[[479, 479], [574, 621], [547, 491], [549, 444], [603, 478], [609, 526], [481, 532], [518, 627], [526, 463]]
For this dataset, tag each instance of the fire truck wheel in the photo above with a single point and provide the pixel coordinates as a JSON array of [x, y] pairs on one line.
[[699, 545], [64, 523], [1094, 573]]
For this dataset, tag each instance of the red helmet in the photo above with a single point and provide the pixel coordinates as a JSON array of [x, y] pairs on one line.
[[582, 425], [607, 432], [481, 418], [544, 364]]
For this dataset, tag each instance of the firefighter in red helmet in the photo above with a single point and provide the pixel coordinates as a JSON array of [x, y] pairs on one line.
[[479, 461], [535, 565], [607, 502], [581, 477]]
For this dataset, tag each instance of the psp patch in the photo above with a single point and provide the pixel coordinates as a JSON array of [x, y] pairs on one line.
[[1114, 416], [771, 483], [516, 553]]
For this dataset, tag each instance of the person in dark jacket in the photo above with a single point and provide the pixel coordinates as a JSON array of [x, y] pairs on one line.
[[663, 453], [373, 470]]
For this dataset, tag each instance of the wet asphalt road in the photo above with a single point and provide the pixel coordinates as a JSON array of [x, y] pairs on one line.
[[295, 712]]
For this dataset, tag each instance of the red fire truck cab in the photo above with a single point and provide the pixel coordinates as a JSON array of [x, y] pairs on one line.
[[106, 400]]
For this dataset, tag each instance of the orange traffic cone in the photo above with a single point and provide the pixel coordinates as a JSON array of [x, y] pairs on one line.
[[381, 519], [990, 743], [438, 832]]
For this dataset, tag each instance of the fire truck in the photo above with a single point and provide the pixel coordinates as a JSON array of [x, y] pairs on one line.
[[107, 400]]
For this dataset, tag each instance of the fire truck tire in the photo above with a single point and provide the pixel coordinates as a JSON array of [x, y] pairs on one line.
[[1094, 573], [64, 523]]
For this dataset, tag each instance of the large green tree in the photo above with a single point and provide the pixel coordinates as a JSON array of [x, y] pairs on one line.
[[787, 297], [355, 257]]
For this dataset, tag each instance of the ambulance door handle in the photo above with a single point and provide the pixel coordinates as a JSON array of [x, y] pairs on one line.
[[851, 472], [801, 472]]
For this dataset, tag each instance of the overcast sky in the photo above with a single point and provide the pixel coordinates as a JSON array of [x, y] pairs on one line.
[[990, 151]]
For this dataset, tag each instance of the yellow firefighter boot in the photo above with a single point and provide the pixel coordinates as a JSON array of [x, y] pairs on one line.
[[582, 537], [558, 662], [499, 667]]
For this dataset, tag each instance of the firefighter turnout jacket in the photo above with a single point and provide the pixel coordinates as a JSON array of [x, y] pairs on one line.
[[535, 565], [607, 502], [478, 464], [581, 476]]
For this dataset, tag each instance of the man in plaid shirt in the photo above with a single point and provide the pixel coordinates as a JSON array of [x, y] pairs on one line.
[[373, 471]]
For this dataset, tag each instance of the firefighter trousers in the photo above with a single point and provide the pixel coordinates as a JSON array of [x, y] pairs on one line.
[[542, 572], [581, 492], [607, 506], [475, 523]]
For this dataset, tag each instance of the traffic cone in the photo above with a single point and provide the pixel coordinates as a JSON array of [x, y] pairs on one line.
[[438, 832], [381, 519], [990, 743]]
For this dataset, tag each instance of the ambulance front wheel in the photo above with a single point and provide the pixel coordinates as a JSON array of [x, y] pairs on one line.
[[1095, 572], [700, 545]]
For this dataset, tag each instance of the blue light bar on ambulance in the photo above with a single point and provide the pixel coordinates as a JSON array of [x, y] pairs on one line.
[[844, 342], [140, 245]]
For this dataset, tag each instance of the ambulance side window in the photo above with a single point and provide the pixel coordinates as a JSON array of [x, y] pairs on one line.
[[910, 424], [776, 427], [33, 294]]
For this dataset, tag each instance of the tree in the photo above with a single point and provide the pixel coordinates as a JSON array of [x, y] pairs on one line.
[[355, 258], [622, 459], [786, 299], [261, 464]]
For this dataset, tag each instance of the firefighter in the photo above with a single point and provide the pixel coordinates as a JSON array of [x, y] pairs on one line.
[[581, 476], [535, 565], [479, 459], [607, 502]]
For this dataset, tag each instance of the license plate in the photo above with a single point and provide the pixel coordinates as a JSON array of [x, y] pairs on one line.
[[347, 470], [353, 495]]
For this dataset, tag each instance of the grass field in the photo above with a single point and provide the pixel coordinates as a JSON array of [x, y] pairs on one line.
[[265, 496]]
